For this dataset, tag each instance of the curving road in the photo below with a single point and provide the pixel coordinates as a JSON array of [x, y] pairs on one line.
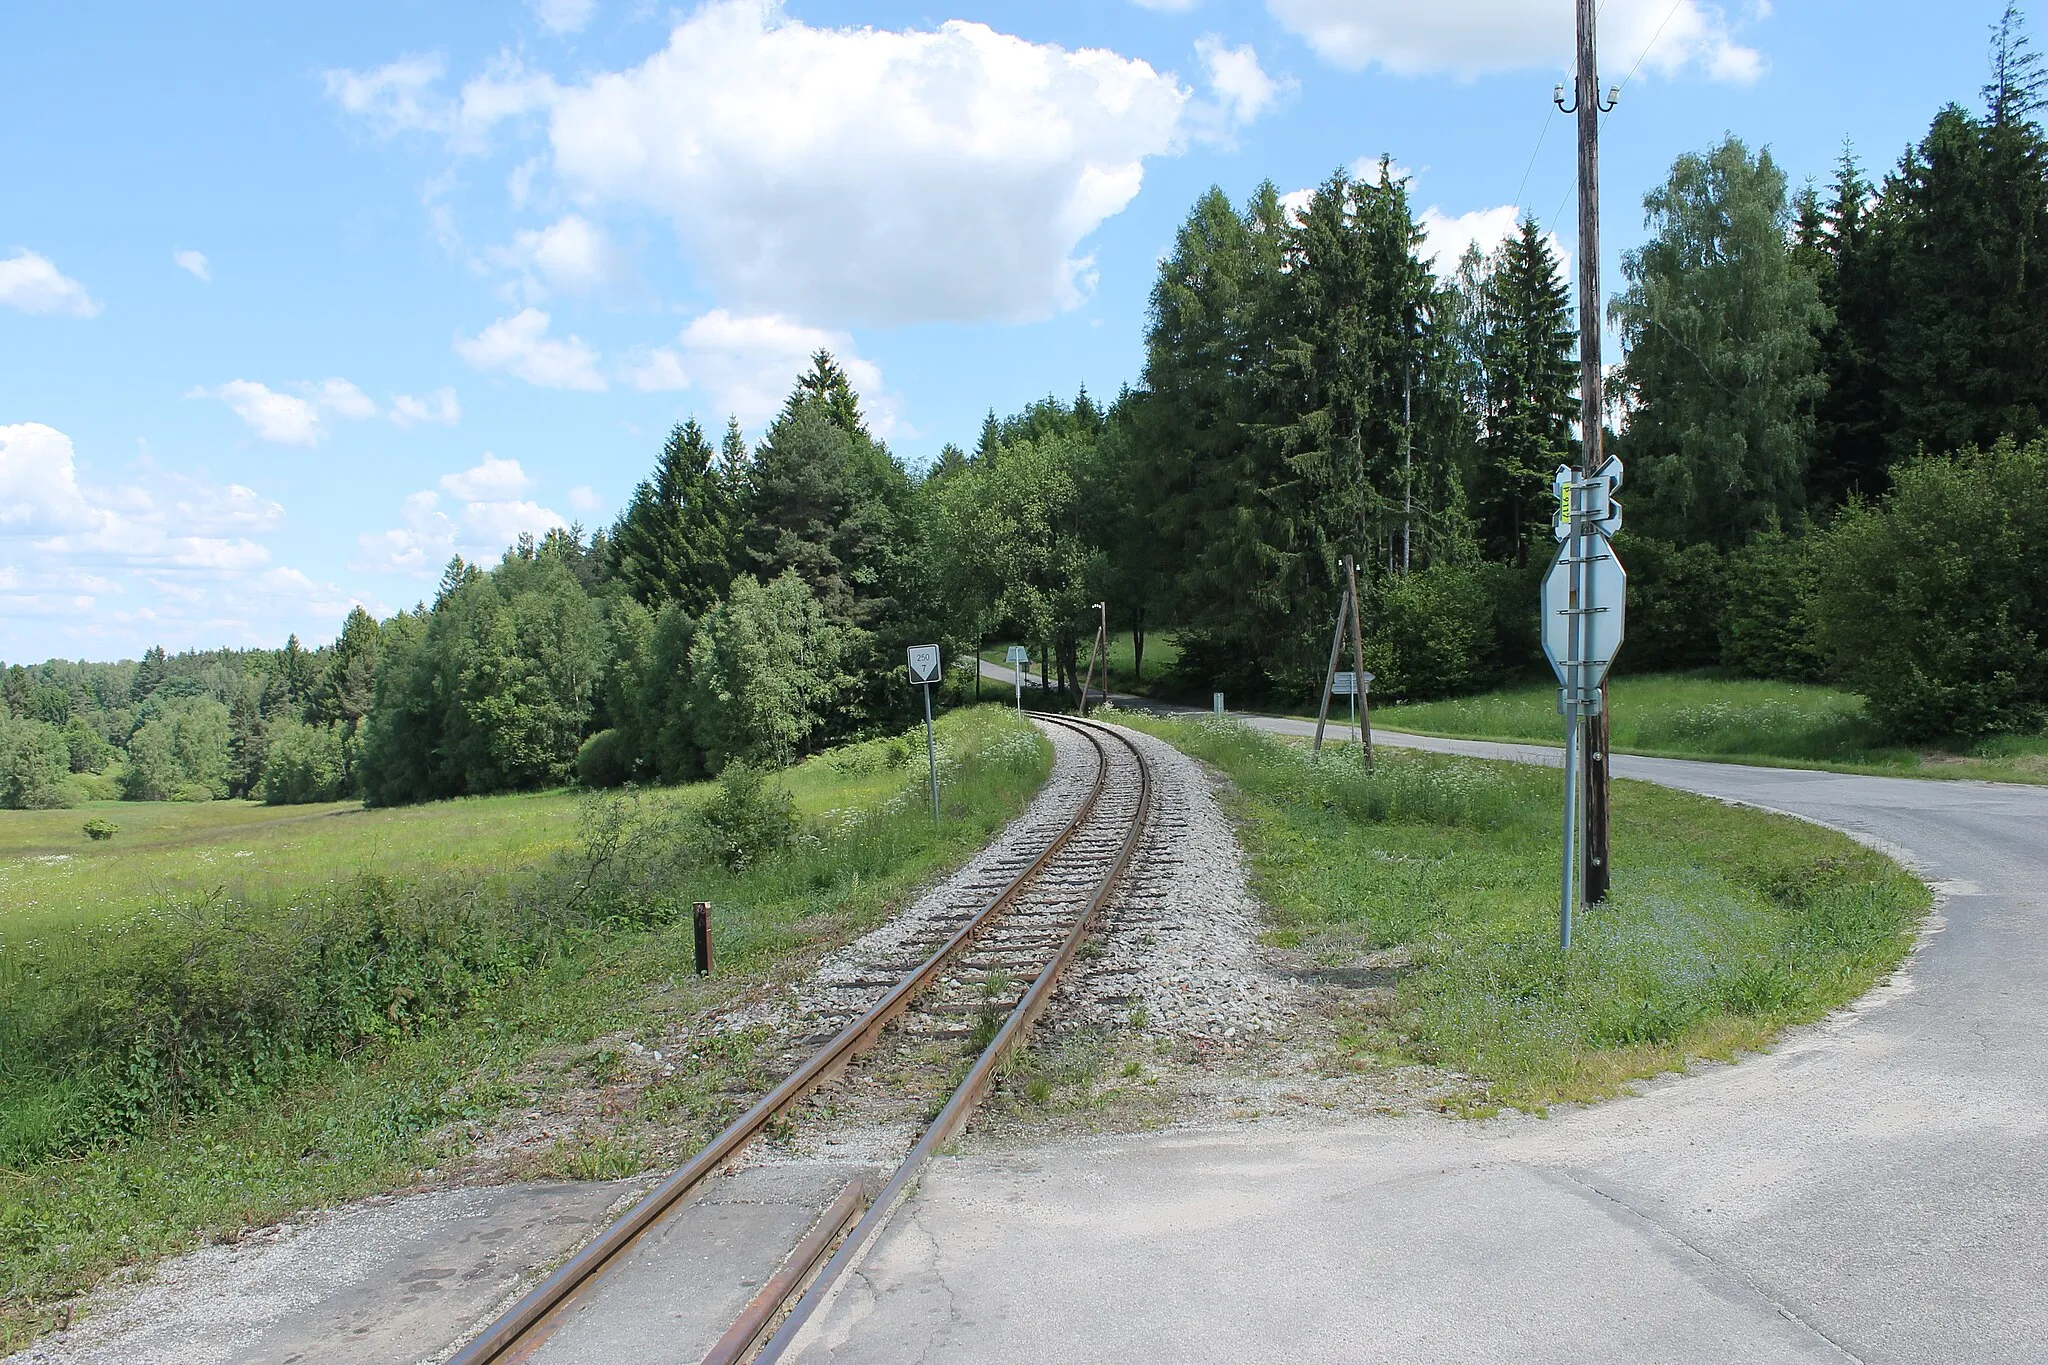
[[1873, 1190]]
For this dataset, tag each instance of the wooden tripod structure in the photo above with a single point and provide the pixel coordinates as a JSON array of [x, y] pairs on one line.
[[1348, 615]]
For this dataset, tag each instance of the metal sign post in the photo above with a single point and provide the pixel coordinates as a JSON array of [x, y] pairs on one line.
[[924, 672], [1020, 660], [1585, 601]]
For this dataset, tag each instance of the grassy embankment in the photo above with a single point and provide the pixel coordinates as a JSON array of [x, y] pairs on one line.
[[193, 1041], [1730, 719], [1725, 924]]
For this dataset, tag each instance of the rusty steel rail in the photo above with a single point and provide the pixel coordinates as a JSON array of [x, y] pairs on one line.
[[979, 1076], [511, 1336]]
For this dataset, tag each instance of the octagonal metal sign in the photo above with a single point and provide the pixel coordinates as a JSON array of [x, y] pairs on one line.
[[1604, 610]]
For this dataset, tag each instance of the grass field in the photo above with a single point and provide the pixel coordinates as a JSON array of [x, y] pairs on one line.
[[342, 1036], [1725, 924], [1691, 716]]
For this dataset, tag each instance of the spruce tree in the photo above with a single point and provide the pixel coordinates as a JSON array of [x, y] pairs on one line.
[[672, 543], [1531, 394], [1848, 445]]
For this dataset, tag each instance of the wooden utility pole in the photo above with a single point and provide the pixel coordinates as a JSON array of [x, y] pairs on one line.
[[1589, 107]]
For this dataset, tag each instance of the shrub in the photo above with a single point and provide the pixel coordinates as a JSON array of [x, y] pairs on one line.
[[303, 764], [1766, 621], [764, 669], [100, 830], [751, 818], [180, 752], [1675, 597], [1450, 628], [605, 760], [1934, 603], [35, 766]]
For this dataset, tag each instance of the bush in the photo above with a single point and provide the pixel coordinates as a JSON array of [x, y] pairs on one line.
[[1450, 628], [1675, 598], [1767, 622], [1934, 604], [751, 818], [35, 766], [101, 830], [764, 669], [303, 764], [605, 760], [180, 752]]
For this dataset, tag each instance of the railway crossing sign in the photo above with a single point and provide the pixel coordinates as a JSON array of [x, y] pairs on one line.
[[1581, 637], [924, 664], [1602, 512]]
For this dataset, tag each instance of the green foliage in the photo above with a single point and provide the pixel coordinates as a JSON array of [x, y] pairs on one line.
[[180, 752], [99, 830], [604, 760], [673, 543], [1676, 594], [1767, 622], [1934, 603], [493, 689], [1449, 628], [751, 818], [1529, 377], [764, 671], [35, 766], [1722, 372], [303, 764]]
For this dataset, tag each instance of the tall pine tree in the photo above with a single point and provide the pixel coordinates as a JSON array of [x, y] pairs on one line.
[[1531, 393], [673, 543]]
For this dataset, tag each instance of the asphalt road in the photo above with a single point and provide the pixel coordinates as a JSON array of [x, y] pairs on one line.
[[1872, 1190]]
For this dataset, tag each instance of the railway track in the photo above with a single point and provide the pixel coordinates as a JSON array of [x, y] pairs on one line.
[[984, 979]]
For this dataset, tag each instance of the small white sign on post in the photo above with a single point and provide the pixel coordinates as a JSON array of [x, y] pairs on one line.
[[924, 672], [1020, 659]]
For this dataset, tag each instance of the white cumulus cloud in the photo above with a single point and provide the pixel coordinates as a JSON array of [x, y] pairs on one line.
[[520, 346], [439, 408], [291, 419], [1473, 37], [485, 513], [1240, 83], [1447, 237], [490, 480], [195, 264], [571, 255], [864, 174], [564, 16], [31, 283], [746, 365]]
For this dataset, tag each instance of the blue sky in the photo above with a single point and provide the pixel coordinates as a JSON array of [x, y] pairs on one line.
[[297, 301]]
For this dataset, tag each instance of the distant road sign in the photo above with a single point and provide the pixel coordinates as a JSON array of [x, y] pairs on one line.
[[1019, 654], [1347, 684], [924, 663], [1605, 611]]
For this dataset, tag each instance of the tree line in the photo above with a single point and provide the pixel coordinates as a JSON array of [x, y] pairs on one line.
[[1831, 403]]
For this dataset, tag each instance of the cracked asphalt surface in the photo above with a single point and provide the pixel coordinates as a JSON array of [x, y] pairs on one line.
[[1871, 1190]]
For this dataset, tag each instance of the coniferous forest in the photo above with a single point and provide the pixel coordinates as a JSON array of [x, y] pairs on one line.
[[1831, 405]]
